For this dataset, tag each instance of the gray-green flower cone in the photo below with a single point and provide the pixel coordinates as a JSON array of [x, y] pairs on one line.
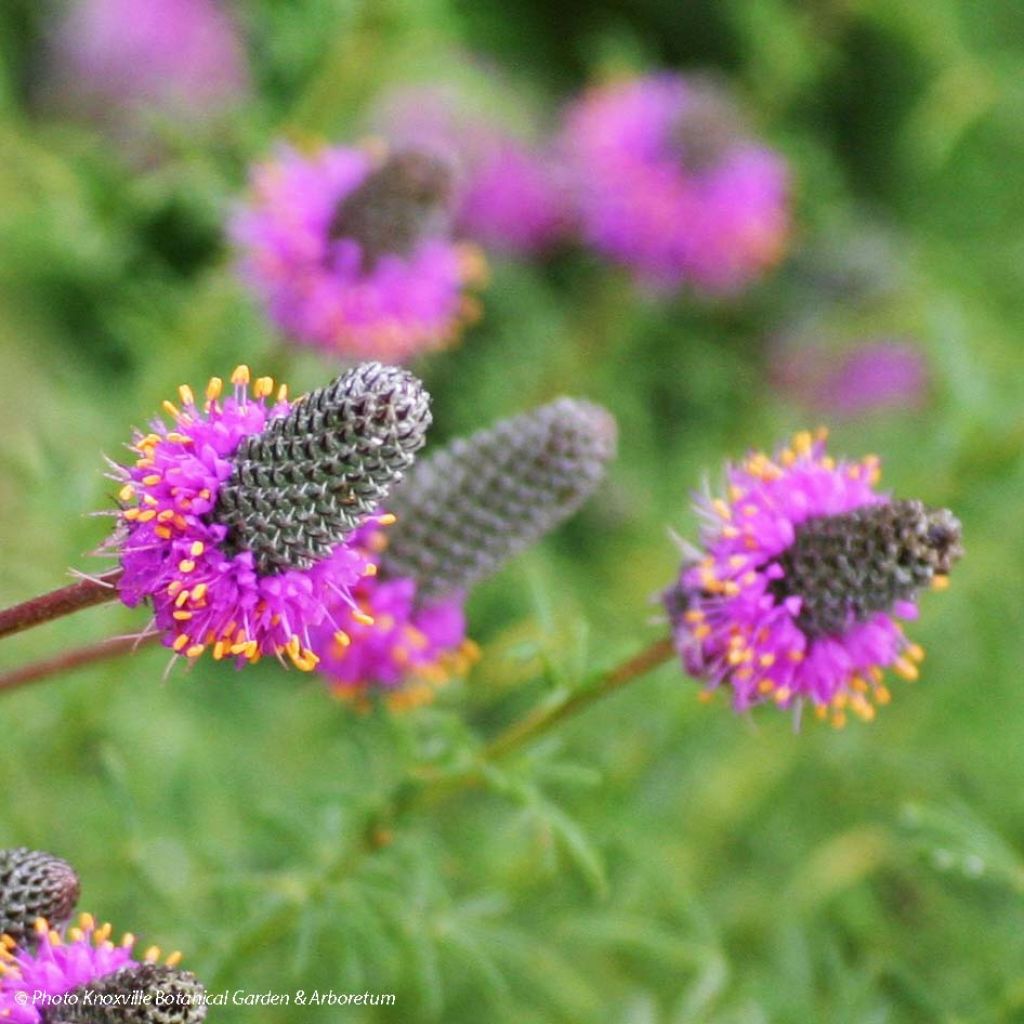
[[34, 884], [139, 994], [311, 477], [466, 509], [853, 565]]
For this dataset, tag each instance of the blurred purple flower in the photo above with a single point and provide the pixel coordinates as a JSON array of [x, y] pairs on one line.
[[511, 193], [669, 184], [871, 377], [326, 287], [180, 58]]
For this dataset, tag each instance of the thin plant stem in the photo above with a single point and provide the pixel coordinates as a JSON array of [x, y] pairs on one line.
[[428, 787], [54, 605], [543, 720], [112, 647]]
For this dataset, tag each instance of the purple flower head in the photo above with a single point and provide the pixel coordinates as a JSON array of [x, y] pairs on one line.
[[803, 572], [176, 57], [390, 642], [510, 191], [668, 183], [462, 513], [54, 963], [354, 256], [236, 519], [874, 376]]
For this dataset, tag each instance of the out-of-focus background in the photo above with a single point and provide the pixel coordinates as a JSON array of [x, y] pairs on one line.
[[658, 859]]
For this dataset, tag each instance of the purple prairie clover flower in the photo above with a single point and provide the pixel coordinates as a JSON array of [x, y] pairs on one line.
[[62, 975], [803, 573], [172, 57], [870, 377], [353, 255], [34, 884], [55, 962], [510, 191], [389, 642], [235, 519], [462, 513], [669, 184]]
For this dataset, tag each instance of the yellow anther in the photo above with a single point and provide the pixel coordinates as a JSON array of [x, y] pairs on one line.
[[186, 396], [195, 650], [721, 508], [915, 652], [146, 516], [387, 519], [765, 686], [240, 375], [342, 638], [171, 408], [151, 955], [767, 660], [174, 959], [85, 921], [102, 933], [263, 386], [694, 615], [180, 600], [163, 532], [126, 493], [702, 631], [839, 720], [940, 583], [213, 388], [127, 940], [362, 618], [198, 547], [186, 565], [179, 642], [882, 695], [131, 514], [370, 570], [41, 926], [198, 592], [803, 442], [906, 668], [282, 393], [181, 616], [730, 532], [821, 711]]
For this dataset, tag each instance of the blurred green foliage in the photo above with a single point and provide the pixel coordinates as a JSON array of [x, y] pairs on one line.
[[655, 860]]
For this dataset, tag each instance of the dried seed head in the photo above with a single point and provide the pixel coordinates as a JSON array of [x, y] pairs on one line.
[[468, 508], [396, 206], [34, 884], [845, 568], [140, 994], [312, 476]]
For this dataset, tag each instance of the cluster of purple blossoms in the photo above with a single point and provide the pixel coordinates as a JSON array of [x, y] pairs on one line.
[[803, 572], [873, 376], [52, 972], [510, 191], [669, 184], [174, 57], [390, 642], [237, 521], [353, 254]]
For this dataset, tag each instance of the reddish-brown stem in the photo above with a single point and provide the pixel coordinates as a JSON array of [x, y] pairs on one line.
[[83, 594], [114, 647]]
